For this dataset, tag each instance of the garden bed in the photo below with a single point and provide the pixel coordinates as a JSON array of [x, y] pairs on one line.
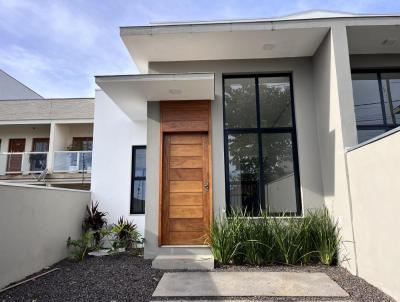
[[120, 277], [127, 277]]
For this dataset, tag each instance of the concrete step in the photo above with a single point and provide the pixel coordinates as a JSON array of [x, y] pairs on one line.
[[184, 262], [184, 250]]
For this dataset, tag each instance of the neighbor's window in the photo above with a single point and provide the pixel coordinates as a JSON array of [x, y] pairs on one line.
[[138, 189], [260, 145], [376, 102]]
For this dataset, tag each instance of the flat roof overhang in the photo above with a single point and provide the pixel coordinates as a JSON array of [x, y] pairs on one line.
[[132, 92], [239, 39], [180, 43]]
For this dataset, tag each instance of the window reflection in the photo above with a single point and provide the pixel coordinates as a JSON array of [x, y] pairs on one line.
[[244, 171], [279, 181], [275, 102], [376, 103], [240, 103], [260, 160]]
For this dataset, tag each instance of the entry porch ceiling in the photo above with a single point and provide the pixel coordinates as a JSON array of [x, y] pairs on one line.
[[163, 43], [132, 92], [383, 39]]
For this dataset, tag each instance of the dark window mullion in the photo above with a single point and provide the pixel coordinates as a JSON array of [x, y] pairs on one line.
[[382, 98], [295, 153], [260, 154], [226, 153]]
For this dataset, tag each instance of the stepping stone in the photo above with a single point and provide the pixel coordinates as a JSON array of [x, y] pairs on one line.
[[247, 284]]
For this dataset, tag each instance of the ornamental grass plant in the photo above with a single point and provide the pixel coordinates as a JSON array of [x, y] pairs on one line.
[[243, 240]]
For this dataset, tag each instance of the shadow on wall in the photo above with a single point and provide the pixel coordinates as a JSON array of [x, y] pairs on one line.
[[35, 222]]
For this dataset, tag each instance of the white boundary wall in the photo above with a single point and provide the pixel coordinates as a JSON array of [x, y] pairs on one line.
[[373, 172], [35, 223]]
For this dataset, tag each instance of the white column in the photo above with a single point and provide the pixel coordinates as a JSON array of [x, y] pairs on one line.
[[50, 155]]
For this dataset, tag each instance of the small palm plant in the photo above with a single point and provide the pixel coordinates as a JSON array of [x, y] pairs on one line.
[[126, 234], [94, 221]]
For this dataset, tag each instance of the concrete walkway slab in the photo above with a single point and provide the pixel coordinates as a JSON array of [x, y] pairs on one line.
[[247, 284]]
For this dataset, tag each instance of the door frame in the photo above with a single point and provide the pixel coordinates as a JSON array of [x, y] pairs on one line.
[[186, 125], [9, 156], [40, 139]]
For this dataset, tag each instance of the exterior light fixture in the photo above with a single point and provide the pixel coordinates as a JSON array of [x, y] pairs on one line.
[[175, 91], [268, 46]]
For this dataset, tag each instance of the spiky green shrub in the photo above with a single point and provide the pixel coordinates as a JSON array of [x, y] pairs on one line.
[[222, 240], [326, 236], [240, 239]]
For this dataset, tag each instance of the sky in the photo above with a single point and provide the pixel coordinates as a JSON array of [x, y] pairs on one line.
[[56, 47]]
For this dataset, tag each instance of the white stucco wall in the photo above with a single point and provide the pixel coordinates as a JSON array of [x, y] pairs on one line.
[[374, 186], [114, 136], [336, 130], [35, 223]]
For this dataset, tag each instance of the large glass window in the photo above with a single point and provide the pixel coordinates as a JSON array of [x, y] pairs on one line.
[[138, 190], [376, 102], [260, 145]]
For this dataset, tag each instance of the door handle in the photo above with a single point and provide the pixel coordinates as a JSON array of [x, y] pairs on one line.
[[206, 186]]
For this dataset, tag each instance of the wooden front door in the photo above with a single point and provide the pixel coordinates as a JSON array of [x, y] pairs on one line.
[[186, 197], [14, 161]]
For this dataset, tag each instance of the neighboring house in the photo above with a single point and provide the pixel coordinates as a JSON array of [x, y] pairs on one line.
[[44, 141], [12, 89], [255, 114]]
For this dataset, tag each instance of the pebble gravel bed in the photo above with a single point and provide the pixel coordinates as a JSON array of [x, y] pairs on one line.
[[128, 277], [122, 277]]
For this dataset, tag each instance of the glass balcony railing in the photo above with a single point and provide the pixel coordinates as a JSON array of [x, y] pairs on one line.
[[72, 161], [37, 162], [23, 162]]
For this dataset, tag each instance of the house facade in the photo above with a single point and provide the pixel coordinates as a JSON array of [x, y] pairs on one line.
[[248, 114], [44, 141]]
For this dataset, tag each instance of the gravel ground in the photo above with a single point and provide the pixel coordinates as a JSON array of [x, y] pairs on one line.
[[126, 277], [122, 277]]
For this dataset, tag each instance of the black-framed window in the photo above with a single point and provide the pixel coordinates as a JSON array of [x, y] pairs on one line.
[[376, 102], [138, 186], [261, 161]]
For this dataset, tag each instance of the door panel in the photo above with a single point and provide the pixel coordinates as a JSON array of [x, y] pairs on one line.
[[38, 162], [185, 198], [186, 186], [14, 161], [186, 174]]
